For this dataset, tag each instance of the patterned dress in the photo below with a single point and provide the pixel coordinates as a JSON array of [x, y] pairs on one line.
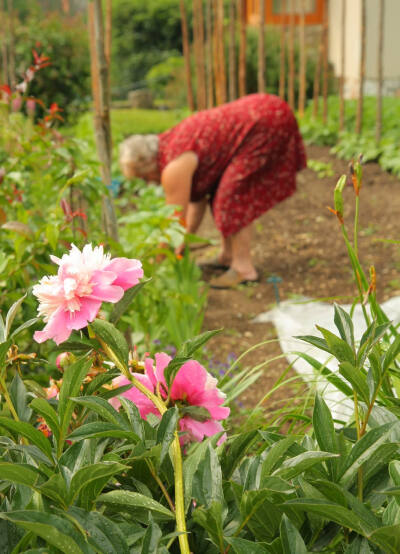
[[249, 152]]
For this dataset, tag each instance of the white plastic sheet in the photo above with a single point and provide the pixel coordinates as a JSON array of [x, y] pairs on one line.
[[299, 317]]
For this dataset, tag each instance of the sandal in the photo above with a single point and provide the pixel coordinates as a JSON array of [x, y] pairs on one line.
[[230, 279], [213, 263]]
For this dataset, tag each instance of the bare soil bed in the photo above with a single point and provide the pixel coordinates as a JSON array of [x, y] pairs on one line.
[[300, 241]]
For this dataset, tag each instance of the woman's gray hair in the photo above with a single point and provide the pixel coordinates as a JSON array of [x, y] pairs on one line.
[[139, 149]]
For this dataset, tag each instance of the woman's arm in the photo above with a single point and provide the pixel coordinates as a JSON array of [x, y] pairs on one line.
[[176, 180]]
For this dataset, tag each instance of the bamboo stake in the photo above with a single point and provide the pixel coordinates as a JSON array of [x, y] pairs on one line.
[[282, 69], [232, 53], [198, 41], [362, 71], [317, 77], [302, 70], [11, 49], [101, 98], [291, 57], [186, 55], [261, 47], [242, 46], [221, 49], [216, 58], [380, 71], [107, 47], [209, 55], [3, 37], [66, 7], [342, 69], [325, 65]]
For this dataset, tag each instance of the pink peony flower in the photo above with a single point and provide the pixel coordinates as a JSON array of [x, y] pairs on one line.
[[71, 299], [192, 386]]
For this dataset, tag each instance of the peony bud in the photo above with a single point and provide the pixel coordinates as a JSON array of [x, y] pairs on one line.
[[30, 106], [64, 360], [16, 104]]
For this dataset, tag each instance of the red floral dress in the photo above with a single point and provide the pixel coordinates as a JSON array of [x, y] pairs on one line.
[[249, 152]]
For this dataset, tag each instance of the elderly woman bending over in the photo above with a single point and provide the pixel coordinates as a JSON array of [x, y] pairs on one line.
[[241, 158]]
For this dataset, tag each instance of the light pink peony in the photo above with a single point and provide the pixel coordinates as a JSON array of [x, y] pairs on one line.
[[192, 386], [71, 299]]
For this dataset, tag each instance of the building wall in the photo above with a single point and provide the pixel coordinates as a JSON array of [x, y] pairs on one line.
[[391, 66]]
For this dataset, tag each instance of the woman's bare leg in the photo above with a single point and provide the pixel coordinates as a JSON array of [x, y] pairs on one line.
[[241, 253]]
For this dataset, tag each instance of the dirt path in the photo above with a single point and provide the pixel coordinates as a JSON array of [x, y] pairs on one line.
[[300, 241]]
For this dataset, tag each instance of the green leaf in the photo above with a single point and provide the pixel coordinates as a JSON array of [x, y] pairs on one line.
[[344, 325], [44, 409], [103, 409], [294, 466], [103, 534], [291, 538], [19, 397], [151, 539], [73, 377], [235, 448], [166, 431], [243, 546], [391, 353], [25, 325], [4, 347], [207, 487], [23, 474], [315, 341], [29, 432], [90, 473], [211, 519], [338, 347], [98, 429], [327, 510], [12, 312], [394, 472], [363, 449], [356, 378], [185, 353], [190, 467], [52, 234], [387, 538], [55, 530], [274, 454], [56, 489], [134, 417], [129, 295], [113, 340], [134, 499]]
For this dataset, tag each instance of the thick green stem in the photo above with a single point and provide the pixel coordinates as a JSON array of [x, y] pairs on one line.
[[176, 448], [8, 399]]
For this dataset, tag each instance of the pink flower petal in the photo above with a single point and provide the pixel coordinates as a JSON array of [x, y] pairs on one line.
[[128, 272]]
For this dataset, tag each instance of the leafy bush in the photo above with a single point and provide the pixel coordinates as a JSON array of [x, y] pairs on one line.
[[67, 80]]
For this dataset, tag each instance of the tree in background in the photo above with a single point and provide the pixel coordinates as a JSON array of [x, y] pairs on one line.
[[145, 33]]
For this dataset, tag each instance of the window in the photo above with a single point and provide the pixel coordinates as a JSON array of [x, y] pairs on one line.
[[276, 14]]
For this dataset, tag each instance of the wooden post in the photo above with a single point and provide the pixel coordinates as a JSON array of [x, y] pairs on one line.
[[186, 55], [325, 65], [342, 68], [198, 39], [209, 55], [291, 57], [282, 69], [232, 51], [317, 77], [242, 47], [362, 71], [380, 71], [302, 69], [101, 97], [11, 45], [261, 47]]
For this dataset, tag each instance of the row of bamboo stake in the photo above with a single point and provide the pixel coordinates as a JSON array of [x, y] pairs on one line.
[[219, 80]]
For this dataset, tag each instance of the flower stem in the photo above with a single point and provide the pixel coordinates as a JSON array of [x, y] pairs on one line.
[[176, 448], [8, 399]]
